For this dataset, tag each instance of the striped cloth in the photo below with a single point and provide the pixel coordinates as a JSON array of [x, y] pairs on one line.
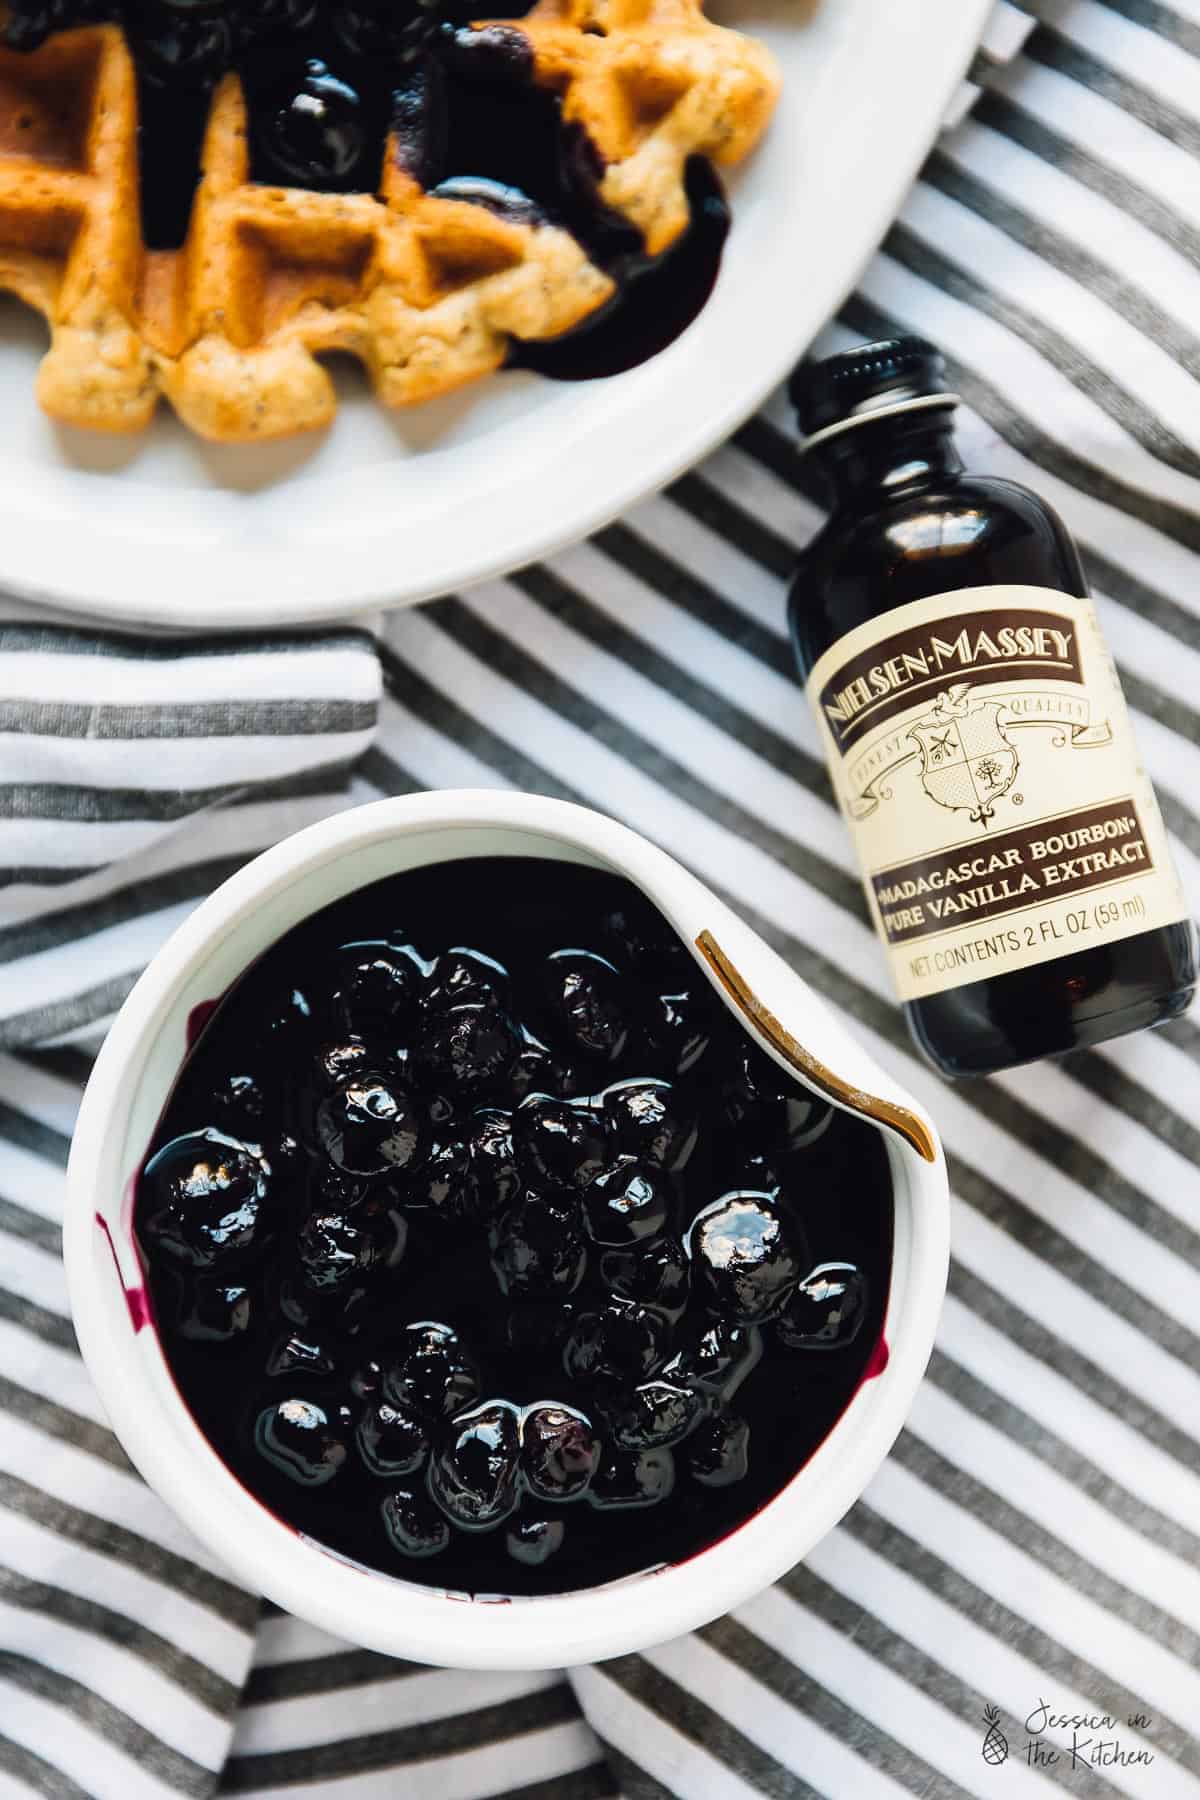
[[1031, 1544]]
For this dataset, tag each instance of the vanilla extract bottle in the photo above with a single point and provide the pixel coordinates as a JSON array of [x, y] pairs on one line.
[[1015, 862]]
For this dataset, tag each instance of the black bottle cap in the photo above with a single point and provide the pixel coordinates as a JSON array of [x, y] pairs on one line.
[[840, 390]]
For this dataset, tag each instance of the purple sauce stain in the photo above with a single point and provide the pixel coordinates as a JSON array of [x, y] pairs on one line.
[[197, 1019], [137, 1299], [878, 1362]]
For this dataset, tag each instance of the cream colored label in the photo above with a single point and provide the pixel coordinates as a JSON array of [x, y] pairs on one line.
[[983, 758]]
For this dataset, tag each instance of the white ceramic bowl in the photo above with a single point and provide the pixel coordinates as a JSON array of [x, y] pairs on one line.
[[131, 1081]]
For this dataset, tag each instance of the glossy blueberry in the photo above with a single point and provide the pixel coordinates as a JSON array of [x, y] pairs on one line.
[[650, 1119], [366, 1383], [655, 1415], [561, 1143], [430, 1372], [466, 1049], [560, 1451], [463, 977], [313, 130], [534, 1541], [369, 1125], [392, 1440], [205, 1201], [302, 1440], [212, 1312], [657, 1274], [717, 1359], [412, 1522], [776, 1115], [589, 1003], [288, 1022], [718, 1452], [374, 987], [493, 1161], [301, 1353], [826, 1311], [627, 1204], [240, 1102], [340, 1253], [538, 1070], [474, 1476], [630, 1479], [638, 941], [746, 1256], [538, 1248], [443, 1182], [621, 1342], [680, 1028], [191, 52]]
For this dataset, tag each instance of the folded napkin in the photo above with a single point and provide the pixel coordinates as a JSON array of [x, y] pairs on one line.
[[1032, 1542]]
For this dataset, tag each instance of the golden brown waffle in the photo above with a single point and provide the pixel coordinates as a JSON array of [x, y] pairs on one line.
[[427, 291]]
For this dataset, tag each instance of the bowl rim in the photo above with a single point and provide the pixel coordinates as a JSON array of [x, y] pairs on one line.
[[269, 1556]]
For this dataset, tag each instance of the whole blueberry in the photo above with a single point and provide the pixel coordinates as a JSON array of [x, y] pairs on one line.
[[374, 988], [627, 1204], [341, 1253], [561, 1143], [312, 129], [240, 1101], [369, 1125], [412, 1522], [630, 1479], [717, 1359], [467, 1048], [474, 1476], [560, 1451], [186, 52], [639, 940], [213, 1312], [537, 1070], [430, 1371], [493, 1161], [443, 1182], [655, 1415], [204, 1201], [656, 1274], [746, 1256], [391, 1439], [301, 1439], [301, 1353], [538, 1248], [462, 977], [718, 1452], [650, 1119], [680, 1027], [827, 1309], [287, 1022], [621, 1342], [775, 1115], [589, 1003], [534, 1541]]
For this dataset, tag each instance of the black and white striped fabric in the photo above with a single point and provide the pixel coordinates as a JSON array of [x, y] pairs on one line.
[[1034, 1540]]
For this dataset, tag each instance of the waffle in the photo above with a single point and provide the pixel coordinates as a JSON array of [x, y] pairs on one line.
[[427, 291]]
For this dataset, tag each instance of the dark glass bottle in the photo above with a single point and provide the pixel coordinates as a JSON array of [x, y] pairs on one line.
[[907, 525]]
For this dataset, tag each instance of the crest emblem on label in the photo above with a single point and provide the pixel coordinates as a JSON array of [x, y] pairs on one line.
[[967, 759]]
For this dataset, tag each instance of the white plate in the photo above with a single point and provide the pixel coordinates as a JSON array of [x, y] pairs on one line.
[[391, 508]]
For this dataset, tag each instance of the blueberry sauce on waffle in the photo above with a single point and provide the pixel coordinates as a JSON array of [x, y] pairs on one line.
[[326, 81], [487, 1251]]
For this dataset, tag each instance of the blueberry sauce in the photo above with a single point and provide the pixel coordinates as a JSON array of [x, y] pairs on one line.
[[326, 80], [487, 1251]]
